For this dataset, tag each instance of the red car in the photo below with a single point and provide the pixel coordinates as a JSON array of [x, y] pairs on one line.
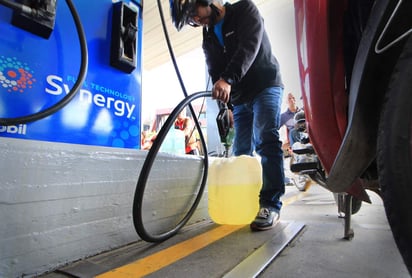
[[355, 62]]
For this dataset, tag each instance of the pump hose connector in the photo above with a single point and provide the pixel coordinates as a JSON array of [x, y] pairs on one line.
[[224, 122]]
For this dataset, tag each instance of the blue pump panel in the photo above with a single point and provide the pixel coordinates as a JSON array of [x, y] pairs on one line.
[[35, 73]]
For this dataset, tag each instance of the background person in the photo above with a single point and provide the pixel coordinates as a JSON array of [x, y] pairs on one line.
[[186, 124], [287, 119]]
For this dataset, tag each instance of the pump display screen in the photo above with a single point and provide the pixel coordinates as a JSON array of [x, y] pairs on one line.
[[37, 72]]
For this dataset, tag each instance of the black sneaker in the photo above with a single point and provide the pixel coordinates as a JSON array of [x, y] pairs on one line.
[[265, 220]]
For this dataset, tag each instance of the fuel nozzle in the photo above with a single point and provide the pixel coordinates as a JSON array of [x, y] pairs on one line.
[[224, 122]]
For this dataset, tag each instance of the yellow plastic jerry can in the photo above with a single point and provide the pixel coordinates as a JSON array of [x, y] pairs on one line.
[[234, 184]]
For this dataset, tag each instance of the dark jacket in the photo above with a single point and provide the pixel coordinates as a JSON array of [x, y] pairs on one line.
[[246, 60]]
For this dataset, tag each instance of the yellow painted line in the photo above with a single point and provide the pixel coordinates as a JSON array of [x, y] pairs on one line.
[[294, 198], [168, 256]]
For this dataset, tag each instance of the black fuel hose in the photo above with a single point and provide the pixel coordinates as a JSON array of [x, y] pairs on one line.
[[138, 220], [80, 78], [16, 6], [179, 76]]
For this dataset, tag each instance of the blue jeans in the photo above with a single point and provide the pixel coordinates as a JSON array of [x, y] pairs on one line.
[[294, 136], [257, 129]]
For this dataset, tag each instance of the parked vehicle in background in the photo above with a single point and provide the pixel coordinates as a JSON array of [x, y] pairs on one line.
[[355, 62]]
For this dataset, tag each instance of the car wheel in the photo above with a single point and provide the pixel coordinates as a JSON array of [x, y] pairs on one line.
[[394, 154]]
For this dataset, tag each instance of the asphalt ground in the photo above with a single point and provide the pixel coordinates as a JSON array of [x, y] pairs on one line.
[[321, 251], [209, 250]]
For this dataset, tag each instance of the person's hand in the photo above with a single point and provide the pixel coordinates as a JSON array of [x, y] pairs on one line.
[[221, 90]]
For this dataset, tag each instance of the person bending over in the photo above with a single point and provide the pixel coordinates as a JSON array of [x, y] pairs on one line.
[[245, 73]]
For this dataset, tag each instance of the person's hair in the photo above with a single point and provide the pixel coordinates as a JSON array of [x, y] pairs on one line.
[[204, 3], [181, 9]]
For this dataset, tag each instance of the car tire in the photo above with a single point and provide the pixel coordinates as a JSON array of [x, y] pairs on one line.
[[394, 153]]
